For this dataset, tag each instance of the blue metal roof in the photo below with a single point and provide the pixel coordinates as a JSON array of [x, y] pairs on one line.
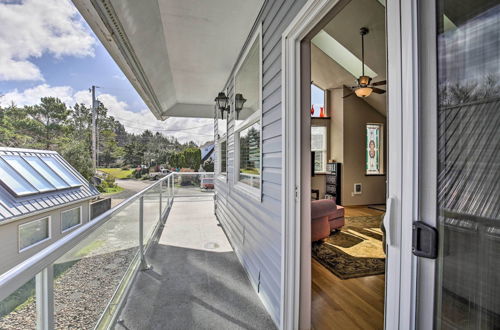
[[32, 181]]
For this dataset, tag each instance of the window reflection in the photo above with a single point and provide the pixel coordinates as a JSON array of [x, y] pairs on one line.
[[469, 164]]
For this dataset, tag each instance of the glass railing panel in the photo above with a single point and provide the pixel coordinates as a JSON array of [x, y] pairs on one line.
[[151, 211], [87, 277], [18, 311], [198, 184], [165, 189]]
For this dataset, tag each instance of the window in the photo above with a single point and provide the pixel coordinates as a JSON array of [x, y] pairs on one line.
[[221, 144], [249, 143], [34, 232], [71, 218], [318, 97], [318, 146], [223, 156], [247, 120]]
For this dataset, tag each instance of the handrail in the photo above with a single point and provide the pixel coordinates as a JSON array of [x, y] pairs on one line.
[[17, 276]]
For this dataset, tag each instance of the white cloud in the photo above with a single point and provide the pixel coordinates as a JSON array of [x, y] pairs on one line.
[[134, 122], [32, 95], [33, 28]]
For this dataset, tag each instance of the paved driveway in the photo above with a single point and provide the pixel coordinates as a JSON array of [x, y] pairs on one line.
[[131, 188]]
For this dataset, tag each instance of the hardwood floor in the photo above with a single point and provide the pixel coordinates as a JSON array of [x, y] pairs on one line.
[[356, 303]]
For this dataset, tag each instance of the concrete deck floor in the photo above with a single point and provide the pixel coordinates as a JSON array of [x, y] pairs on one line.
[[196, 281]]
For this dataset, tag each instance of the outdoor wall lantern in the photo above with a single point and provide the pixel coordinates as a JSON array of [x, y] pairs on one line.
[[239, 100], [222, 102]]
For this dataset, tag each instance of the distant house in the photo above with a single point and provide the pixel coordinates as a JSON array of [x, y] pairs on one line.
[[207, 151], [42, 198]]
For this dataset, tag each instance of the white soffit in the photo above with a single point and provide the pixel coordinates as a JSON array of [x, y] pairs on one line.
[[177, 54], [341, 55]]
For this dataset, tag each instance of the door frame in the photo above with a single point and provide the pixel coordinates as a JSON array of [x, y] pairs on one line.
[[402, 167]]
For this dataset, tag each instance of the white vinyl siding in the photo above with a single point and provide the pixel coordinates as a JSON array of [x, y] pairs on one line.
[[33, 233], [253, 226]]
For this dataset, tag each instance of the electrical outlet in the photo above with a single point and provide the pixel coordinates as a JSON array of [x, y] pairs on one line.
[[358, 189]]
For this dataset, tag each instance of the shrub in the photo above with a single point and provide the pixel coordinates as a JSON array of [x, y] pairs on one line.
[[110, 181]]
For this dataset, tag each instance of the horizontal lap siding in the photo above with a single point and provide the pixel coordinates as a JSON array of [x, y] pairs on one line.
[[254, 227]]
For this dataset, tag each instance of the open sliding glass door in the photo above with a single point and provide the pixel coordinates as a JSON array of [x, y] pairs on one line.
[[457, 237]]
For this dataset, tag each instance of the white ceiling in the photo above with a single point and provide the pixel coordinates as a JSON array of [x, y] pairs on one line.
[[344, 28], [177, 54]]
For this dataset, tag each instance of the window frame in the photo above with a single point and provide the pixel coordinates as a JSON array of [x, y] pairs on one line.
[[221, 176], [49, 237], [246, 189], [325, 99], [75, 226], [324, 151]]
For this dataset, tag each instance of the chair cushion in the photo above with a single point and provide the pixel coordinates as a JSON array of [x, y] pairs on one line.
[[322, 208]]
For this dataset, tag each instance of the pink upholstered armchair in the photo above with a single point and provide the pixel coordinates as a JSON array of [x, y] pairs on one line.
[[326, 216]]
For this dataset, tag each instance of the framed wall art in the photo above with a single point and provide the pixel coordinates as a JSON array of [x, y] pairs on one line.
[[374, 149]]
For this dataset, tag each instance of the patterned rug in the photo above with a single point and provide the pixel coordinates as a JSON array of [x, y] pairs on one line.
[[354, 251]]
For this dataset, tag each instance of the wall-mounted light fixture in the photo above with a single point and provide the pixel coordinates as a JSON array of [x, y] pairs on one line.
[[239, 100], [222, 102]]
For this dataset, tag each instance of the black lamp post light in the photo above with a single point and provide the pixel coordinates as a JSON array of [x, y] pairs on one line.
[[222, 102], [239, 100]]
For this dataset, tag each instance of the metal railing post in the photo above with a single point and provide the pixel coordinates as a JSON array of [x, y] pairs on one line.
[[161, 192], [168, 191], [173, 187], [44, 293], [144, 264]]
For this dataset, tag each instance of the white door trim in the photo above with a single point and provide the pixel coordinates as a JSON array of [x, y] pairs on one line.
[[292, 316], [402, 170]]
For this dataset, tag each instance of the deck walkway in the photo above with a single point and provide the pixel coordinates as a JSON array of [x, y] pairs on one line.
[[197, 281]]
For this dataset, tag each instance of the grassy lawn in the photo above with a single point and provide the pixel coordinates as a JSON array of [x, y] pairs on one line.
[[111, 191], [117, 172]]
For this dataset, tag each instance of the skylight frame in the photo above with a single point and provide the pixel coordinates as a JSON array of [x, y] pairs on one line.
[[28, 167], [43, 164], [65, 176], [21, 179], [50, 172]]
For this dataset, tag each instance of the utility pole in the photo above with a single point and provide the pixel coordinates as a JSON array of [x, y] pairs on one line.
[[94, 131]]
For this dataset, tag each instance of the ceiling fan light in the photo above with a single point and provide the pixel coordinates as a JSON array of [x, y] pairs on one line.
[[364, 80], [363, 92]]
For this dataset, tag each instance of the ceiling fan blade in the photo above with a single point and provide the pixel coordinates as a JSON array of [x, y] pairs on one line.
[[378, 90], [380, 83], [351, 93]]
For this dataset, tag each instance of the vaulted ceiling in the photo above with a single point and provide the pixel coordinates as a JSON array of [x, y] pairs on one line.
[[330, 62]]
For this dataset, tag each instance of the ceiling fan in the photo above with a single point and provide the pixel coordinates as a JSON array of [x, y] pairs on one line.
[[364, 87]]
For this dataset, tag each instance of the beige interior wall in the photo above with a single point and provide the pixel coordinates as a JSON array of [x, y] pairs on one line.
[[347, 135], [357, 114]]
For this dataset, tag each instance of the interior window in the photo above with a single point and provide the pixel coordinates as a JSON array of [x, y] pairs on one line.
[[246, 114], [318, 96], [318, 146]]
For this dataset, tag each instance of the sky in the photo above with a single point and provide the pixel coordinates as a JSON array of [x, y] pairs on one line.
[[47, 49]]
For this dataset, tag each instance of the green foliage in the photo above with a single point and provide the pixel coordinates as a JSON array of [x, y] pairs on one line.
[[53, 125], [188, 158], [208, 165], [77, 154]]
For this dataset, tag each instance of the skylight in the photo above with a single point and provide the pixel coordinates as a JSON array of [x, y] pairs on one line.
[[31, 175], [62, 171], [340, 54]]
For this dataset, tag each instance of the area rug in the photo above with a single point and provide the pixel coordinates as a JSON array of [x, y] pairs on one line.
[[354, 251]]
